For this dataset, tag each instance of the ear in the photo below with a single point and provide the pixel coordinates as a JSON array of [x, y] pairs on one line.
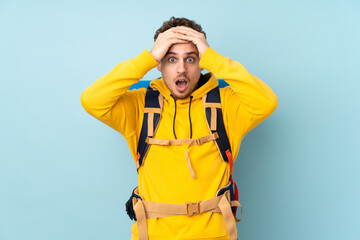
[[159, 66]]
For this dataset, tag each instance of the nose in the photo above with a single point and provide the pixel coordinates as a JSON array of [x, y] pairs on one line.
[[181, 68]]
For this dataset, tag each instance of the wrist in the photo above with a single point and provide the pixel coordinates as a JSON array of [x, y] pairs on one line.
[[154, 55], [211, 60], [144, 62], [203, 50]]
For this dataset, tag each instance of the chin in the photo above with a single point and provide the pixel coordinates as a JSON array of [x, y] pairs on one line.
[[181, 95]]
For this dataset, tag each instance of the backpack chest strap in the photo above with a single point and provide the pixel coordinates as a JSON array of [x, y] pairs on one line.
[[190, 141]]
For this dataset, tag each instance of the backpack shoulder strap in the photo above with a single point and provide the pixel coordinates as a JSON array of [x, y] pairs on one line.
[[152, 113], [214, 117]]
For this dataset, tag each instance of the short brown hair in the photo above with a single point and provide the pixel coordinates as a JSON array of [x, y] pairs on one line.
[[174, 22]]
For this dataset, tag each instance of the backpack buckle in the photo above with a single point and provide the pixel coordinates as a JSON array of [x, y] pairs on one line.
[[192, 208]]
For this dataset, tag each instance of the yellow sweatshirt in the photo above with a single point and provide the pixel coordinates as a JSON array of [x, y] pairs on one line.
[[165, 176]]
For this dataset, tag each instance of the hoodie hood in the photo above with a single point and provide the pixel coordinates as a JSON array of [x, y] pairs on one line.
[[206, 83]]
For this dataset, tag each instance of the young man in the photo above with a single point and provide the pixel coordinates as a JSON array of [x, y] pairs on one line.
[[183, 172]]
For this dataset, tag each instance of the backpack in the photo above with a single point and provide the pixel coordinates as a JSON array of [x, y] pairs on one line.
[[213, 112]]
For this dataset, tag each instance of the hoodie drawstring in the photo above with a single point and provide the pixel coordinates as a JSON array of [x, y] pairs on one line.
[[174, 116], [191, 97]]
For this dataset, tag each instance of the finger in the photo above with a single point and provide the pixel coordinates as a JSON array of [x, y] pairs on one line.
[[166, 34], [176, 36], [177, 40], [189, 34], [187, 30], [171, 35], [187, 38]]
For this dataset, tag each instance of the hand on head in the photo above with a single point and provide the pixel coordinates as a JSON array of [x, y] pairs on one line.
[[193, 36], [180, 34]]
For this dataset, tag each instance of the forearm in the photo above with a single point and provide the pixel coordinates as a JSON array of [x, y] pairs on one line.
[[256, 96], [103, 94], [107, 99]]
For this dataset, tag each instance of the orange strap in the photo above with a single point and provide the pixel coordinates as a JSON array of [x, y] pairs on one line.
[[228, 217], [172, 142], [152, 110], [190, 141], [141, 220], [221, 204], [213, 107]]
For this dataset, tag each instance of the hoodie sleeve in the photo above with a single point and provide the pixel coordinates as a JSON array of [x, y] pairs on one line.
[[109, 100], [247, 101]]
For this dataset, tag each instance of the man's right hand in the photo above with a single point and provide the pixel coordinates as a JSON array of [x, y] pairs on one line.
[[164, 41]]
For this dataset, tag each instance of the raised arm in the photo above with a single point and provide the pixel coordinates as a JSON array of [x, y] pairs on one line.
[[109, 100], [248, 101]]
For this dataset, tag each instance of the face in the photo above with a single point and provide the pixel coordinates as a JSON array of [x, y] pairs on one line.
[[180, 69]]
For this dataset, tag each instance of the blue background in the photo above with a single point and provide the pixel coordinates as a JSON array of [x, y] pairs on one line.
[[65, 175]]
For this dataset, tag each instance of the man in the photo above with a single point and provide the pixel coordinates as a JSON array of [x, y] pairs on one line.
[[183, 168]]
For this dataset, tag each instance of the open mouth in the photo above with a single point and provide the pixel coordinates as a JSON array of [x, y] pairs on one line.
[[181, 84]]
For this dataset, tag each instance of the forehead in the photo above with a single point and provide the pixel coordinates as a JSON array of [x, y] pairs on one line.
[[183, 48]]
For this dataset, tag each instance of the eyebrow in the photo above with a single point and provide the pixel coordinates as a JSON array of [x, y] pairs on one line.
[[174, 53]]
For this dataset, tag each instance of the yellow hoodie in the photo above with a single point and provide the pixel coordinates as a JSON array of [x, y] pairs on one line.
[[165, 176]]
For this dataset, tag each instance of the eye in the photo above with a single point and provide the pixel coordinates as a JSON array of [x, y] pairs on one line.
[[190, 59], [171, 60]]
